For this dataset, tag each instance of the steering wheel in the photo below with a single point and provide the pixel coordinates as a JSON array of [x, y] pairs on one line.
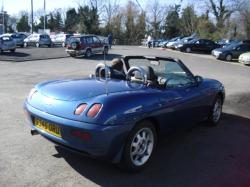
[[140, 70], [100, 68]]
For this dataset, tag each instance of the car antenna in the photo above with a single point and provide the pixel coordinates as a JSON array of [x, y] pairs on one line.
[[106, 72]]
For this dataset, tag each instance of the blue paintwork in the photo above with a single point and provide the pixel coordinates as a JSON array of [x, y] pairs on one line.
[[125, 105]]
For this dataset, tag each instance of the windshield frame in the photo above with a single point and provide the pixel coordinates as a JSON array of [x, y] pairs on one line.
[[153, 58]]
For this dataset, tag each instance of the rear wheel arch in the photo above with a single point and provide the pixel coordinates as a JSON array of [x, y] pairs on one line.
[[154, 122]]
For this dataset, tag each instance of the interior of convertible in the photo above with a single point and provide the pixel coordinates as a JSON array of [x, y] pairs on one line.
[[154, 72]]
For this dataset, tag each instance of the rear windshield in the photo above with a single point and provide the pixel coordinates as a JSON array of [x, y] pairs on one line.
[[75, 39]]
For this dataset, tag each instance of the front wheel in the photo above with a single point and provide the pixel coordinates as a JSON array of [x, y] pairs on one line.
[[139, 147], [216, 111], [12, 50], [229, 57]]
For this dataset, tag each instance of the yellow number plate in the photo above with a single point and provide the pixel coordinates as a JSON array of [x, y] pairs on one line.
[[48, 127]]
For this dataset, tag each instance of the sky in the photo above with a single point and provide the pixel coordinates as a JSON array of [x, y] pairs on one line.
[[14, 7]]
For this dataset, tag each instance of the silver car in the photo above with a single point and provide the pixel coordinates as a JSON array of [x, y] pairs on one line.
[[38, 40], [7, 44], [61, 39]]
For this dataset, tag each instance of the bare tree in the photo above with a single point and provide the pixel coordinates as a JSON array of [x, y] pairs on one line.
[[222, 9], [111, 9], [156, 15], [245, 18]]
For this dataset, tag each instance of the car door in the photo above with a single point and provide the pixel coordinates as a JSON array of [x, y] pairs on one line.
[[198, 45], [97, 44], [241, 49], [182, 101], [208, 45], [90, 43]]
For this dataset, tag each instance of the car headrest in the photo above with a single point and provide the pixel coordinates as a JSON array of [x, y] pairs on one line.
[[149, 71]]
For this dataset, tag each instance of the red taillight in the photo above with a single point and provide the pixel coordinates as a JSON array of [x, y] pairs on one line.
[[94, 110], [80, 109], [83, 135]]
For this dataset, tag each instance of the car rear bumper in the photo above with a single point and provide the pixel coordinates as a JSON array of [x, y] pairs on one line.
[[102, 141], [58, 42], [221, 56], [33, 43]]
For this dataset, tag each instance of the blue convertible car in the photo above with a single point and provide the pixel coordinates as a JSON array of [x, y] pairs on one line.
[[120, 119]]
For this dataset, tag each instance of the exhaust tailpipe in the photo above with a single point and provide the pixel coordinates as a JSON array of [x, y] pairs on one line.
[[34, 132]]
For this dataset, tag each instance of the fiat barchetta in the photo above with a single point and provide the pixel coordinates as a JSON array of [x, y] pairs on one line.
[[121, 118]]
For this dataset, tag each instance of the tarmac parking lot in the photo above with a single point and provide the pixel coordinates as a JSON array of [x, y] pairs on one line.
[[33, 53], [202, 156]]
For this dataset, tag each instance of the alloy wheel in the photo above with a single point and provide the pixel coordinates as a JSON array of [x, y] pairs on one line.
[[142, 146], [217, 110], [229, 57]]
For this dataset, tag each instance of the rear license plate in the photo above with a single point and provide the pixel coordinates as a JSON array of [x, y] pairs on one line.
[[48, 127]]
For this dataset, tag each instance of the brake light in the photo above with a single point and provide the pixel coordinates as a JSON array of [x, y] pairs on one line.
[[80, 134], [94, 110], [79, 110]]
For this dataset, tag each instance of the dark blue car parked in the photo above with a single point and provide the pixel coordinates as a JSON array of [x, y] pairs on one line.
[[121, 119]]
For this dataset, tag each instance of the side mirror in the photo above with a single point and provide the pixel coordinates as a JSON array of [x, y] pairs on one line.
[[198, 79]]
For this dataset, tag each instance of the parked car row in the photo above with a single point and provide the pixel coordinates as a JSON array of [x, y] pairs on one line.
[[37, 40], [231, 52], [223, 50]]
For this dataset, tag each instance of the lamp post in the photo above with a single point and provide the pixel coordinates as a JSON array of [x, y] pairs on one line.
[[31, 16], [3, 17], [44, 19]]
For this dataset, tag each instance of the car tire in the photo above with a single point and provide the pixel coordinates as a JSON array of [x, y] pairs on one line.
[[229, 57], [37, 45], [12, 50], [88, 53], [215, 112], [188, 50], [139, 147]]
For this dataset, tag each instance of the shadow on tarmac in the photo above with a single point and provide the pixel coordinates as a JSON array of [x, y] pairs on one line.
[[202, 156]]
